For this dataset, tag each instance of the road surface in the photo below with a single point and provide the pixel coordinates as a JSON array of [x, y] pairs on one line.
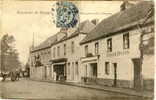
[[43, 90]]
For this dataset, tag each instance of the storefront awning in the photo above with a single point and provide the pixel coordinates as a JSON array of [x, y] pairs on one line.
[[61, 63], [60, 60]]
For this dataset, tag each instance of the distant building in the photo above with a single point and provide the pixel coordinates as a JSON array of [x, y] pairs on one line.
[[39, 59], [112, 51]]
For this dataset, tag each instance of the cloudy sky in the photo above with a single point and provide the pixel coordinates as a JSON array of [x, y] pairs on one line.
[[23, 18]]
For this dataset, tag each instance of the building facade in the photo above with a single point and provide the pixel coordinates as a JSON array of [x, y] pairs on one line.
[[40, 57], [118, 51], [112, 53], [66, 53]]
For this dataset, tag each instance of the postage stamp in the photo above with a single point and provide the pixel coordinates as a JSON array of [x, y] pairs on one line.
[[66, 14]]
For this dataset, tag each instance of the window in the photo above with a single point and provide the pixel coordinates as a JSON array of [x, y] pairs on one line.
[[49, 52], [64, 49], [58, 51], [126, 41], [109, 45], [69, 68], [86, 50], [76, 69], [107, 68], [54, 52], [96, 48], [72, 46]]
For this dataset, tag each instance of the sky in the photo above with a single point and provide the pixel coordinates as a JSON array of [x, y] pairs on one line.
[[23, 18]]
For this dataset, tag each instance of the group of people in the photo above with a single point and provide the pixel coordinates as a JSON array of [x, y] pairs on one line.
[[14, 75], [58, 76]]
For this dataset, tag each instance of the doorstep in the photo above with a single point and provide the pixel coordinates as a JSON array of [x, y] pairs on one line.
[[132, 92]]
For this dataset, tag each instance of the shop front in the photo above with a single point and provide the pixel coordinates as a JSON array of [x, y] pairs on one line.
[[59, 69], [90, 69]]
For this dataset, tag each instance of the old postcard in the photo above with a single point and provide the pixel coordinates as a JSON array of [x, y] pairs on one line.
[[77, 50]]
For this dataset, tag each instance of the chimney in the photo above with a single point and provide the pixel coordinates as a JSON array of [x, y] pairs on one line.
[[61, 34], [125, 5], [95, 21]]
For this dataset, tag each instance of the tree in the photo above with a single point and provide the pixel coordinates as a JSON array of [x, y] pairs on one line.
[[9, 55]]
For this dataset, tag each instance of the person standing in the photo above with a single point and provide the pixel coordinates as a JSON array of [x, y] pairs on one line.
[[54, 76]]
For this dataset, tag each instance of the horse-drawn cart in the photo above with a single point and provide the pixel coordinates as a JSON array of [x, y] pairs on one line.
[[13, 75]]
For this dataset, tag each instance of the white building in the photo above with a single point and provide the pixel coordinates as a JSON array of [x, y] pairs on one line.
[[66, 52], [111, 51]]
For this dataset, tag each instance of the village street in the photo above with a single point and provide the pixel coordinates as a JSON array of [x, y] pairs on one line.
[[28, 89]]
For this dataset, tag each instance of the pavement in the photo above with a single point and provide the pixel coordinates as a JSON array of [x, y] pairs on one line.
[[126, 91]]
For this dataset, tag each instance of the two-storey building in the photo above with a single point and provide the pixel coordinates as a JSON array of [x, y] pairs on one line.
[[112, 53], [66, 52]]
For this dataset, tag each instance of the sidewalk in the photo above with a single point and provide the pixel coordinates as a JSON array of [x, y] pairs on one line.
[[144, 94]]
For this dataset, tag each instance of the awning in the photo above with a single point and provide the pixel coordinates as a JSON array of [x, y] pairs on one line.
[[61, 63], [60, 60]]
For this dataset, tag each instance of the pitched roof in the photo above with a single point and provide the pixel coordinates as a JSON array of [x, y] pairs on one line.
[[46, 43], [118, 20], [84, 27]]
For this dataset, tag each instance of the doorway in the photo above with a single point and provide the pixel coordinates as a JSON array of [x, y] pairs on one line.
[[59, 69], [94, 69], [115, 74], [137, 73]]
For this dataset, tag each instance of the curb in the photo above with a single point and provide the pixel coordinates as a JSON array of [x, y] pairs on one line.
[[101, 89]]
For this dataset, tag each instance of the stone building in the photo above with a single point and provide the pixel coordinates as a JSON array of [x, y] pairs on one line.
[[60, 53], [66, 53], [112, 51]]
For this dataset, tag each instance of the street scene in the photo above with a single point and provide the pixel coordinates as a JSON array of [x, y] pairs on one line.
[[77, 50]]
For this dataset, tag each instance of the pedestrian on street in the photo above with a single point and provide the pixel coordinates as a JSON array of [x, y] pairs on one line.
[[54, 76]]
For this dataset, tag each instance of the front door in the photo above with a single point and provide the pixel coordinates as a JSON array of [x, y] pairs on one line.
[[137, 73], [115, 73], [94, 66]]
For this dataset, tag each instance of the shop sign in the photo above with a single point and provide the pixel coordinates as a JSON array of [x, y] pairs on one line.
[[118, 53]]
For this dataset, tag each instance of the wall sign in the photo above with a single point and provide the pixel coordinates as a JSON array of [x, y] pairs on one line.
[[118, 53]]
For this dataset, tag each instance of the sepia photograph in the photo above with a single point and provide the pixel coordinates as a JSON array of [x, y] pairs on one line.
[[77, 50]]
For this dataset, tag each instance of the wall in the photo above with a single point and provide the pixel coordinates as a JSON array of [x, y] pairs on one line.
[[118, 55], [45, 56], [74, 57]]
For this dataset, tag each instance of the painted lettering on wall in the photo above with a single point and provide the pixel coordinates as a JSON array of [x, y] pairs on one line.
[[118, 53]]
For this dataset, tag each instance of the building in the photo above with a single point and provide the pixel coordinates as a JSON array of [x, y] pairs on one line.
[[60, 53], [66, 52], [112, 51], [39, 59]]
